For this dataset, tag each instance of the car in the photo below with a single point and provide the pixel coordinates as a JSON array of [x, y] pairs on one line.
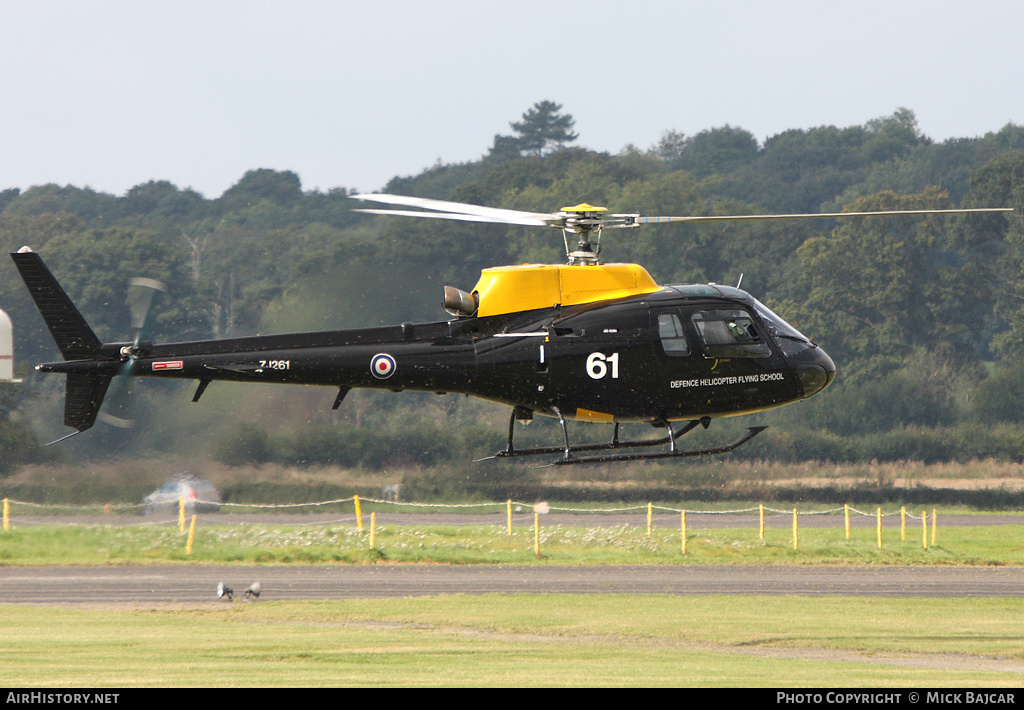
[[200, 496]]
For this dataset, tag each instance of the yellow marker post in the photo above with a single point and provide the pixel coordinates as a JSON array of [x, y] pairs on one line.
[[846, 518], [373, 529], [181, 515], [924, 529], [794, 529], [934, 517], [903, 523], [509, 515], [7, 514], [760, 507], [191, 535], [682, 526], [649, 520], [359, 513], [879, 529]]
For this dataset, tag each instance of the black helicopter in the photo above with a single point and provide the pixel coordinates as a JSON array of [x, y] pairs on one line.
[[580, 341]]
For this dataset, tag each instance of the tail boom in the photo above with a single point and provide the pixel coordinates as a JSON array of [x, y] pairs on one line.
[[340, 359]]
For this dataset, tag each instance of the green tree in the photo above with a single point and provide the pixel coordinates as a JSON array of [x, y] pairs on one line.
[[160, 198], [543, 129], [503, 149], [877, 288], [799, 170], [8, 196], [893, 136], [95, 265], [712, 152], [94, 207], [999, 396], [1000, 183], [279, 187]]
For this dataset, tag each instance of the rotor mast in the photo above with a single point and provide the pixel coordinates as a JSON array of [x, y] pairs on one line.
[[583, 220]]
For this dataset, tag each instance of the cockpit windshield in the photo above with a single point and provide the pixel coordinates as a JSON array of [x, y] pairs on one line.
[[777, 326], [729, 333]]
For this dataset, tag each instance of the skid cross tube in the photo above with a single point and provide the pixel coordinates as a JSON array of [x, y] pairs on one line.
[[674, 454], [567, 451]]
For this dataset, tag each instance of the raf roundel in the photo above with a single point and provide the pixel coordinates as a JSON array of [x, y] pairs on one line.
[[382, 366]]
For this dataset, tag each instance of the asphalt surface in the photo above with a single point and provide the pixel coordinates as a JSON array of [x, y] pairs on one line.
[[197, 584]]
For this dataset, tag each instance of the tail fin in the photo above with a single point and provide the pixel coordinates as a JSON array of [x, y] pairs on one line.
[[73, 335], [82, 399], [75, 339]]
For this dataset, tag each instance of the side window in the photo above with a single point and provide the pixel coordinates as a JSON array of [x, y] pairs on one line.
[[729, 333], [670, 330]]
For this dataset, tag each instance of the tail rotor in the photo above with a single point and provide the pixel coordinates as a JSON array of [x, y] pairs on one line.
[[142, 294]]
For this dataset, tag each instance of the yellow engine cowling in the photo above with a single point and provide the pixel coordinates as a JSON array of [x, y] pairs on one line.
[[509, 289]]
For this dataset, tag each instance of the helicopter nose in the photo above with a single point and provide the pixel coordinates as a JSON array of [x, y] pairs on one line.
[[815, 370]]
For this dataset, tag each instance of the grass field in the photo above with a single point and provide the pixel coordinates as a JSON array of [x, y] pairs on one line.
[[491, 544], [523, 641], [516, 640]]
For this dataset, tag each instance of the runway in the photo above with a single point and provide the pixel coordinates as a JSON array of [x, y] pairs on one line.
[[196, 584]]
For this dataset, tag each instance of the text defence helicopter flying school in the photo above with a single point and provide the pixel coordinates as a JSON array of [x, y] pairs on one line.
[[579, 341]]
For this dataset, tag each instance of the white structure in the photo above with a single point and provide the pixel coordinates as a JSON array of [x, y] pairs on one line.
[[6, 349]]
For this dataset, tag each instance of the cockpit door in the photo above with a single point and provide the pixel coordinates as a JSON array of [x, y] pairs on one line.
[[716, 359], [599, 364]]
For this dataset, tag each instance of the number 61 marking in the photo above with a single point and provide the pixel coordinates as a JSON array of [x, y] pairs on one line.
[[597, 365]]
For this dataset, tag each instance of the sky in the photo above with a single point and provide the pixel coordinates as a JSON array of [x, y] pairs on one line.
[[109, 94]]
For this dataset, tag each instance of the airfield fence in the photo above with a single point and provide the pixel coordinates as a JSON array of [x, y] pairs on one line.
[[511, 512]]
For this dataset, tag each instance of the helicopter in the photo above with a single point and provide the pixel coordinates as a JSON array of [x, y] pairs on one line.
[[580, 341]]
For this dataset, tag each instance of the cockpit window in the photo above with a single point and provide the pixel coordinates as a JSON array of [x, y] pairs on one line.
[[729, 333], [776, 325], [673, 341]]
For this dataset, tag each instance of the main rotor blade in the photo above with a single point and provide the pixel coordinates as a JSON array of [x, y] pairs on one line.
[[495, 214], [817, 215], [452, 215], [586, 222]]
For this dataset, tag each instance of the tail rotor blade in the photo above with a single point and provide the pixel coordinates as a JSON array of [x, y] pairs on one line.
[[142, 294], [117, 409]]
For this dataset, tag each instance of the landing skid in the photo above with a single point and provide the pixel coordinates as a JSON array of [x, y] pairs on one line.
[[569, 452]]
